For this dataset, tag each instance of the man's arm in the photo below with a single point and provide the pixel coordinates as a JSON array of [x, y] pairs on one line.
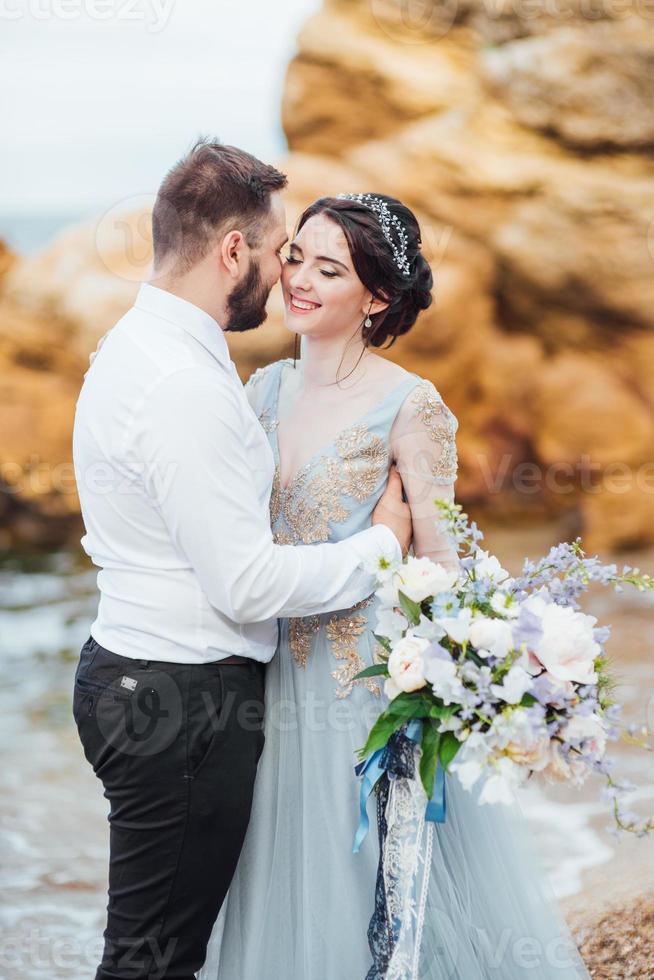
[[189, 436]]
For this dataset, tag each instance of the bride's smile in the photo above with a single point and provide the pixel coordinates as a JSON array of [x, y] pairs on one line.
[[323, 295], [302, 306]]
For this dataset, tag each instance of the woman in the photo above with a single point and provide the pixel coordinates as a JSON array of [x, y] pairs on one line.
[[301, 901]]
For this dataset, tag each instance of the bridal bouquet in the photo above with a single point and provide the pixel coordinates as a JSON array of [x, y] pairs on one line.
[[489, 678], [499, 677]]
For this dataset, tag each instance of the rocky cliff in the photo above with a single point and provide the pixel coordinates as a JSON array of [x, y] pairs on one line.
[[522, 135]]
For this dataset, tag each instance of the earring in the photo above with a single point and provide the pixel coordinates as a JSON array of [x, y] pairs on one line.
[[367, 323]]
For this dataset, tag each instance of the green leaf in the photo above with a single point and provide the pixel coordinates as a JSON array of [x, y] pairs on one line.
[[431, 740], [448, 748], [410, 609], [528, 700], [380, 733], [442, 710], [375, 670], [412, 704], [383, 642], [402, 708]]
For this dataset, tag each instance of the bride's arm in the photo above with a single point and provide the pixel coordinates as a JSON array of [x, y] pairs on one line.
[[424, 447]]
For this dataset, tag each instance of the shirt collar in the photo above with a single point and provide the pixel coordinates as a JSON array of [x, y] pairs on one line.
[[186, 315]]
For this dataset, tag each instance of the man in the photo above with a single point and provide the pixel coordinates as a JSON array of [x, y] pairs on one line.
[[174, 475]]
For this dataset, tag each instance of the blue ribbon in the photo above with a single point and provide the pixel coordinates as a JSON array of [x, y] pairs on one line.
[[372, 769]]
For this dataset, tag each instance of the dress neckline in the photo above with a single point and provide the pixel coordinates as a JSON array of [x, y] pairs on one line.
[[323, 449]]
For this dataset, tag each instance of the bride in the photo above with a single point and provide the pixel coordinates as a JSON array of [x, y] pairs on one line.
[[300, 903]]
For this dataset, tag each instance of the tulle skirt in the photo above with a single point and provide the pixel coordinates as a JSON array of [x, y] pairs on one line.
[[300, 902]]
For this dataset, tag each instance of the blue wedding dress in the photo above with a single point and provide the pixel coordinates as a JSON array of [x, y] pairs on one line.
[[301, 902]]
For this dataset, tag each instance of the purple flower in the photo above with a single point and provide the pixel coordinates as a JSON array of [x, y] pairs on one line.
[[527, 629]]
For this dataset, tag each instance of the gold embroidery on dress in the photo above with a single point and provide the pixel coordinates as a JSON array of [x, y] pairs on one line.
[[309, 504], [343, 633], [301, 631], [440, 424], [362, 460], [301, 514]]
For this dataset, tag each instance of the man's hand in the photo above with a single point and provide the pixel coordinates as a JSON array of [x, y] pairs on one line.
[[394, 512]]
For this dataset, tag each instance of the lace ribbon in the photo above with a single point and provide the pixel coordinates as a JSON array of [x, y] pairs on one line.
[[405, 827]]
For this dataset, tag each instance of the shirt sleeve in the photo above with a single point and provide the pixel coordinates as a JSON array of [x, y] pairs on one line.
[[423, 446], [190, 441]]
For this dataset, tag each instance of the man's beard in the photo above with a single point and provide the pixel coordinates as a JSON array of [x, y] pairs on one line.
[[246, 304]]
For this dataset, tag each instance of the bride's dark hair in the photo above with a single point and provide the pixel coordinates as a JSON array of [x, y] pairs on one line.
[[373, 260]]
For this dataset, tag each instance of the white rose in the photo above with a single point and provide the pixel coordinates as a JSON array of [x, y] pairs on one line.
[[589, 727], [558, 770], [421, 578], [533, 753], [492, 636], [567, 647], [405, 664], [391, 690], [560, 687]]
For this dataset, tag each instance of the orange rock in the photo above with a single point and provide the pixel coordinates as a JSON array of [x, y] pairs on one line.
[[540, 336]]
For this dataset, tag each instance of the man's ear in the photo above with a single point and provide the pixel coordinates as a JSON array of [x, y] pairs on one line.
[[232, 253]]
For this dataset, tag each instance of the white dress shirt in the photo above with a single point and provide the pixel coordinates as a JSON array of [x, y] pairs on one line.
[[174, 474]]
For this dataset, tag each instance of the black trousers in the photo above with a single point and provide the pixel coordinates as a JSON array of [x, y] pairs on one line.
[[176, 747]]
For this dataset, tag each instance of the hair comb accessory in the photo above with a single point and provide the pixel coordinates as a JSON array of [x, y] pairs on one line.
[[389, 224]]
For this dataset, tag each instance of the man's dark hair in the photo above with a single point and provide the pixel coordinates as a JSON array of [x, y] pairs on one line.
[[214, 188]]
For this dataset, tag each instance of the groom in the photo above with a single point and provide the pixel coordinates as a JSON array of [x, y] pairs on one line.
[[174, 475]]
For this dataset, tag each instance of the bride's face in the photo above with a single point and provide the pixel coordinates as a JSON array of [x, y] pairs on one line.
[[323, 296]]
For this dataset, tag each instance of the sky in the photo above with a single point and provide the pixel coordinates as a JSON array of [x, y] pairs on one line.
[[100, 97]]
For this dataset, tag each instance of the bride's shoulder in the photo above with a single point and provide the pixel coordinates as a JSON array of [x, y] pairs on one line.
[[259, 375], [423, 435], [263, 376], [424, 405], [262, 383]]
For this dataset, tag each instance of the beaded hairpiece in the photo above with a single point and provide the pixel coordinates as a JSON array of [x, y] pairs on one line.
[[387, 221]]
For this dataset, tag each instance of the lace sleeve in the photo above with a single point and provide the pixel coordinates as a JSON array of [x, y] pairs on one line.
[[255, 387], [423, 447]]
